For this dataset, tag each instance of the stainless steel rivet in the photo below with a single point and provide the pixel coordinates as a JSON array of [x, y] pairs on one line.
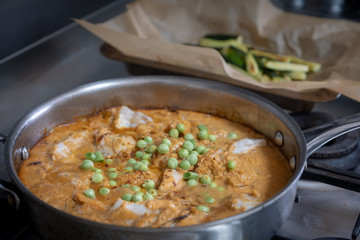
[[24, 153], [292, 163], [279, 138]]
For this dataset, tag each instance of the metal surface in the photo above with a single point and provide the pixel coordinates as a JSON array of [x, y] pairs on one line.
[[166, 91], [316, 136]]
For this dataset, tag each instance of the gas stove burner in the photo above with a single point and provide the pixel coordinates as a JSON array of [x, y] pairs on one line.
[[339, 147], [342, 152]]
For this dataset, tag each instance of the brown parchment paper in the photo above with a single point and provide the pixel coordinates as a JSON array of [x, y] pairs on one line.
[[159, 33]]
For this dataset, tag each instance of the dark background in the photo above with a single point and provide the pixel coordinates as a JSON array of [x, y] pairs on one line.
[[23, 22]]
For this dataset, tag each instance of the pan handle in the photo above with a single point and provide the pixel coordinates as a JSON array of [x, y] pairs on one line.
[[317, 137], [7, 188], [2, 138], [320, 135]]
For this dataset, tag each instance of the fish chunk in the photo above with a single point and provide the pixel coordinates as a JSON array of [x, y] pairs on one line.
[[172, 180], [244, 202], [126, 118], [63, 150], [246, 144], [112, 144]]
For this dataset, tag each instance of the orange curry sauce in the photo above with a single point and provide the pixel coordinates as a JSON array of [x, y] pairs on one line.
[[55, 174]]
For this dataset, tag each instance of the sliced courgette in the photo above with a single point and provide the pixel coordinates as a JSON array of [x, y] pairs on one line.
[[272, 56], [219, 41], [234, 56], [297, 75], [222, 37], [313, 66], [285, 66], [212, 43], [251, 65]]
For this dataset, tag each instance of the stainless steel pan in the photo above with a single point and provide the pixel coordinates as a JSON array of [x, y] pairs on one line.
[[173, 92]]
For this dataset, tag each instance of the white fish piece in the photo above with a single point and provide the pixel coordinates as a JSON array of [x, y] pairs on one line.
[[136, 208], [112, 144], [62, 150], [172, 180], [248, 203], [246, 144], [116, 205], [126, 118]]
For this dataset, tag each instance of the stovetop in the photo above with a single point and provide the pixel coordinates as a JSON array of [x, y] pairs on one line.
[[71, 57]]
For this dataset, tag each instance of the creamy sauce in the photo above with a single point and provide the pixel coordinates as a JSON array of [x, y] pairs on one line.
[[54, 173]]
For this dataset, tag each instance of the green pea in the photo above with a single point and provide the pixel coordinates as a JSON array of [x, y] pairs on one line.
[[232, 135], [195, 152], [231, 165], [221, 189], [202, 127], [127, 197], [131, 161], [148, 184], [212, 137], [90, 193], [137, 165], [188, 146], [141, 144], [148, 196], [138, 197], [200, 149], [174, 133], [206, 150], [90, 156], [203, 134], [151, 149], [113, 175], [97, 178], [128, 169], [152, 192], [163, 148], [193, 142], [96, 170], [111, 169], [180, 127], [193, 159], [139, 154], [104, 191], [183, 153], [87, 164], [126, 185], [146, 162], [192, 182], [209, 200], [203, 208], [172, 163], [143, 167], [188, 136], [148, 139], [109, 161], [166, 141], [112, 183], [135, 188], [205, 179], [184, 164], [146, 156], [191, 175], [99, 157], [213, 185]]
